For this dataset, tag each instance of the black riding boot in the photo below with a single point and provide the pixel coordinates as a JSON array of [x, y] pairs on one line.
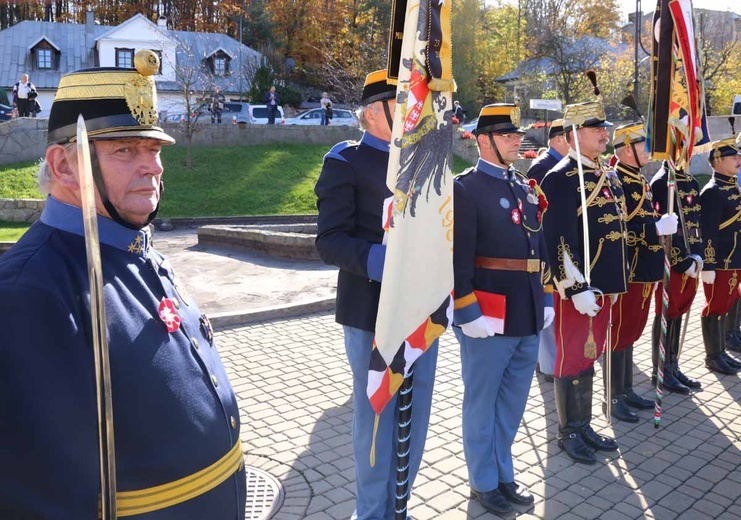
[[632, 398], [619, 409], [733, 341], [671, 383], [676, 338], [713, 335], [570, 420], [592, 438]]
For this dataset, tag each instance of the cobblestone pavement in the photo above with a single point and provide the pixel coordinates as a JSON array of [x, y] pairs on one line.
[[294, 388]]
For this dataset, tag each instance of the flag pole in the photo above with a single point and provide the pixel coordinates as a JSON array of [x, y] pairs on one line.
[[403, 447]]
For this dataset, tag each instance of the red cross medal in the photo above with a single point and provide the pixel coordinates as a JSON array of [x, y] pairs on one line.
[[606, 193], [516, 216], [169, 315], [689, 199]]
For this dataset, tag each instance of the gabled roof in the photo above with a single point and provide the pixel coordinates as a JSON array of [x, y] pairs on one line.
[[76, 44], [41, 39], [209, 54], [578, 55]]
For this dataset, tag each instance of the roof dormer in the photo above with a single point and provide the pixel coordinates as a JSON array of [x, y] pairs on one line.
[[219, 62], [45, 54]]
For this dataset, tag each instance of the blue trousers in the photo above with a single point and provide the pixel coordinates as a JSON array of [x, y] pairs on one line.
[[497, 373], [547, 349], [376, 486]]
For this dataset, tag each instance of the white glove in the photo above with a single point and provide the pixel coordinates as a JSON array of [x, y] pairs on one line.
[[708, 277], [478, 328], [667, 224], [698, 261], [548, 314], [692, 270], [586, 303]]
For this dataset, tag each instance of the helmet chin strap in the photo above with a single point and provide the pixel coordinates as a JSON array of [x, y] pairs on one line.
[[635, 155], [387, 112], [98, 178], [496, 150]]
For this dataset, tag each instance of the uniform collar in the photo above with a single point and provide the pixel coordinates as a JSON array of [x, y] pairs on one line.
[[69, 218], [726, 179], [493, 170], [585, 161], [553, 153], [371, 140], [630, 171]]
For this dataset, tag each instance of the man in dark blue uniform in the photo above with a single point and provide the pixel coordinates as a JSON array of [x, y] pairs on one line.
[[720, 224], [646, 261], [686, 265], [500, 308], [557, 150], [176, 420], [351, 191], [581, 320]]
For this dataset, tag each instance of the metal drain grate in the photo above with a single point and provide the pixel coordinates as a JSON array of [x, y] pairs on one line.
[[264, 495]]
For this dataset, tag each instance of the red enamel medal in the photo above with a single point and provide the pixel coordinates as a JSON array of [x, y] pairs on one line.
[[516, 216], [606, 193], [169, 315], [689, 199]]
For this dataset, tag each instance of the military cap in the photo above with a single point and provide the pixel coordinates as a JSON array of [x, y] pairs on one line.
[[499, 118], [115, 102], [582, 115], [724, 148], [629, 134], [377, 88], [556, 128]]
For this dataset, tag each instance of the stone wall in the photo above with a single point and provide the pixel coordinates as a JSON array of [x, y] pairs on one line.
[[20, 210], [22, 139]]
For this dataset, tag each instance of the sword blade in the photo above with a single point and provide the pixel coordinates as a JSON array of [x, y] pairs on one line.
[[98, 320]]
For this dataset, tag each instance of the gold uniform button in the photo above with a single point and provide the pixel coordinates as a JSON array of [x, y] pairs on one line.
[[194, 342], [233, 421], [215, 381], [176, 303]]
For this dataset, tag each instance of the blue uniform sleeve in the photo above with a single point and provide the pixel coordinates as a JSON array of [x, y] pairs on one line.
[[711, 217], [561, 227], [47, 401], [335, 243], [464, 251]]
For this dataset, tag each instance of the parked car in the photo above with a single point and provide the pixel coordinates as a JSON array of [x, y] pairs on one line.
[[6, 112], [247, 113], [471, 125], [314, 117], [736, 105]]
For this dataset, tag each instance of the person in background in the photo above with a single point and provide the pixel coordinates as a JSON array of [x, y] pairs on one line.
[[323, 104], [24, 95], [272, 101]]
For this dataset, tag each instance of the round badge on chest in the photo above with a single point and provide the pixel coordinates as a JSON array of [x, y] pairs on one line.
[[504, 203]]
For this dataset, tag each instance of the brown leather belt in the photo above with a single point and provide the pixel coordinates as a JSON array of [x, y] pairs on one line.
[[530, 265]]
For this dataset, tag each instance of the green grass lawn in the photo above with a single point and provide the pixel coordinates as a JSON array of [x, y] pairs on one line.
[[12, 231], [224, 181]]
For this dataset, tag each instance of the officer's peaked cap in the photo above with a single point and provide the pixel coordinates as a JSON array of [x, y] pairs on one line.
[[629, 134], [725, 148], [377, 88], [116, 103], [556, 128], [499, 118], [582, 115]]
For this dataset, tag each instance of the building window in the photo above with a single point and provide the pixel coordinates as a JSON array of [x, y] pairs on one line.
[[220, 66], [125, 58], [43, 58]]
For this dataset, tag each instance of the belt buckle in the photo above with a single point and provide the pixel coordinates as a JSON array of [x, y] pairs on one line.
[[533, 265]]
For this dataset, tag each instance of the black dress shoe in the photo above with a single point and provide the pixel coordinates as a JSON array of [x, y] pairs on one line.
[[673, 384], [716, 363], [636, 401], [687, 381], [494, 502], [730, 361], [619, 410], [516, 493], [574, 446], [596, 441]]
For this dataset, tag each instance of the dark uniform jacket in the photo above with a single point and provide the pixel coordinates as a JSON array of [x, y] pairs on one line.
[[687, 194], [607, 231], [543, 163], [174, 409], [645, 252], [497, 216], [720, 223], [350, 194]]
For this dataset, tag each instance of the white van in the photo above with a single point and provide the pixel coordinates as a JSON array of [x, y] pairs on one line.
[[247, 113]]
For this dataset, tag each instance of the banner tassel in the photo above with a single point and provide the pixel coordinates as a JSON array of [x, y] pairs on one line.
[[373, 444]]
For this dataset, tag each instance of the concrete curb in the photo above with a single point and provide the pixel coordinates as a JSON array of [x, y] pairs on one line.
[[191, 222], [288, 310]]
